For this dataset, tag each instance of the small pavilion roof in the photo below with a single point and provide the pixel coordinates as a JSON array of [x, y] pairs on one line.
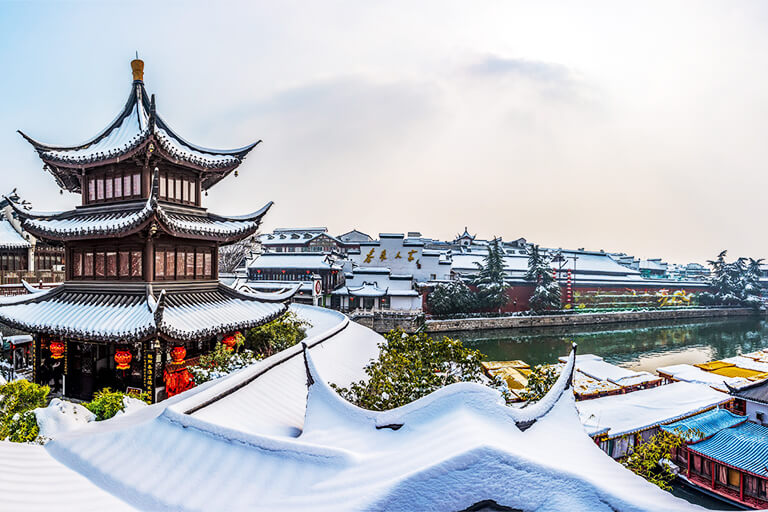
[[706, 424], [744, 446], [135, 127], [133, 312]]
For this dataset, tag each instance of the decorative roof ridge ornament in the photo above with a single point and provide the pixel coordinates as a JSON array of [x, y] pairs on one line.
[[279, 296], [29, 287], [137, 69], [159, 309]]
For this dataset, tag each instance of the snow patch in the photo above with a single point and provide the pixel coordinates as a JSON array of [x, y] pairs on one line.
[[61, 416]]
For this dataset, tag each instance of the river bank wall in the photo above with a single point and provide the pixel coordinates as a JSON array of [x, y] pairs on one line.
[[514, 322]]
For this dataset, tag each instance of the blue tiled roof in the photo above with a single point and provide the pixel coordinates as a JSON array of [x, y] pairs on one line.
[[708, 423], [744, 447]]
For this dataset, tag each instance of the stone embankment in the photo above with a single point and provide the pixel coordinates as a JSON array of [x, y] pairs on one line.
[[514, 322], [385, 321]]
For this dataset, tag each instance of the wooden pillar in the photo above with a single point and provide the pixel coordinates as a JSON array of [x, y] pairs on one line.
[[149, 259], [148, 356], [712, 469], [741, 486], [688, 469]]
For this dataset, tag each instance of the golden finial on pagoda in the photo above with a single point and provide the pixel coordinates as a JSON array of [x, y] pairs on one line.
[[137, 66]]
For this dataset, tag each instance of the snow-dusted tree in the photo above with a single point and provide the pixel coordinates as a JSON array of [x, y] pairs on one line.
[[232, 256], [491, 289], [451, 298], [546, 295], [733, 283]]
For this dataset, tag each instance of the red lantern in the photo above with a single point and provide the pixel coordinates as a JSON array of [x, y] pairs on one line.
[[123, 359], [178, 354], [57, 349], [231, 340]]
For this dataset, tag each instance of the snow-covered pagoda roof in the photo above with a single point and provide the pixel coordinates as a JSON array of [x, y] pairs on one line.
[[136, 126], [457, 449], [123, 219], [132, 312]]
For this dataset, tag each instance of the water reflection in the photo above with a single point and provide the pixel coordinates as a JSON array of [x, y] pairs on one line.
[[640, 346]]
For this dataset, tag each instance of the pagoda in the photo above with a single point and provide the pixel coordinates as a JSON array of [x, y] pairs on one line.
[[141, 293]]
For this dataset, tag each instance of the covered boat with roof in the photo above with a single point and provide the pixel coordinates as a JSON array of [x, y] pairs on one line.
[[142, 291]]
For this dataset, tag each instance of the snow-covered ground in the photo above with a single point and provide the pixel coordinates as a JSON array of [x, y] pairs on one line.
[[257, 440]]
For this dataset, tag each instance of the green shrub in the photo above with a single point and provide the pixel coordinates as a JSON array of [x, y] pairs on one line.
[[18, 398], [276, 335], [106, 403], [412, 366], [22, 428]]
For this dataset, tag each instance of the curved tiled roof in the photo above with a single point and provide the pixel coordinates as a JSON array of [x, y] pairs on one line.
[[124, 219], [116, 314], [134, 127]]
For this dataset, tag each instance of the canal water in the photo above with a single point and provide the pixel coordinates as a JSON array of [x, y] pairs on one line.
[[638, 346]]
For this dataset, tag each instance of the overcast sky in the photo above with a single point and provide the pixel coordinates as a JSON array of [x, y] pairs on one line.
[[625, 126]]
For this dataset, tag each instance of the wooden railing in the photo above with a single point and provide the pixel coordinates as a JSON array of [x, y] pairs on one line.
[[32, 277]]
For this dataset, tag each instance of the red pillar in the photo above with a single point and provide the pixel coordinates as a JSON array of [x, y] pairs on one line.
[[688, 469], [741, 486], [712, 467]]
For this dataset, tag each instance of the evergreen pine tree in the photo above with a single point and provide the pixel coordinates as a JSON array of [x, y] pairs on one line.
[[491, 288], [546, 295]]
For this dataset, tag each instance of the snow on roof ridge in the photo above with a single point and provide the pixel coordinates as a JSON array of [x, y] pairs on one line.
[[326, 408]]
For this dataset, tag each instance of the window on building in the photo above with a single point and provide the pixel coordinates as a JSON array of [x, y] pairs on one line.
[[207, 265], [170, 264], [136, 268], [77, 264], [118, 186], [91, 190], [159, 264], [98, 265], [127, 186], [199, 265], [136, 184], [108, 188], [88, 264], [191, 264], [125, 264], [181, 267], [111, 264], [100, 189]]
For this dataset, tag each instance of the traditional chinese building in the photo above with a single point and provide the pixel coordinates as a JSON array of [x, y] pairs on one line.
[[22, 256], [141, 291]]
